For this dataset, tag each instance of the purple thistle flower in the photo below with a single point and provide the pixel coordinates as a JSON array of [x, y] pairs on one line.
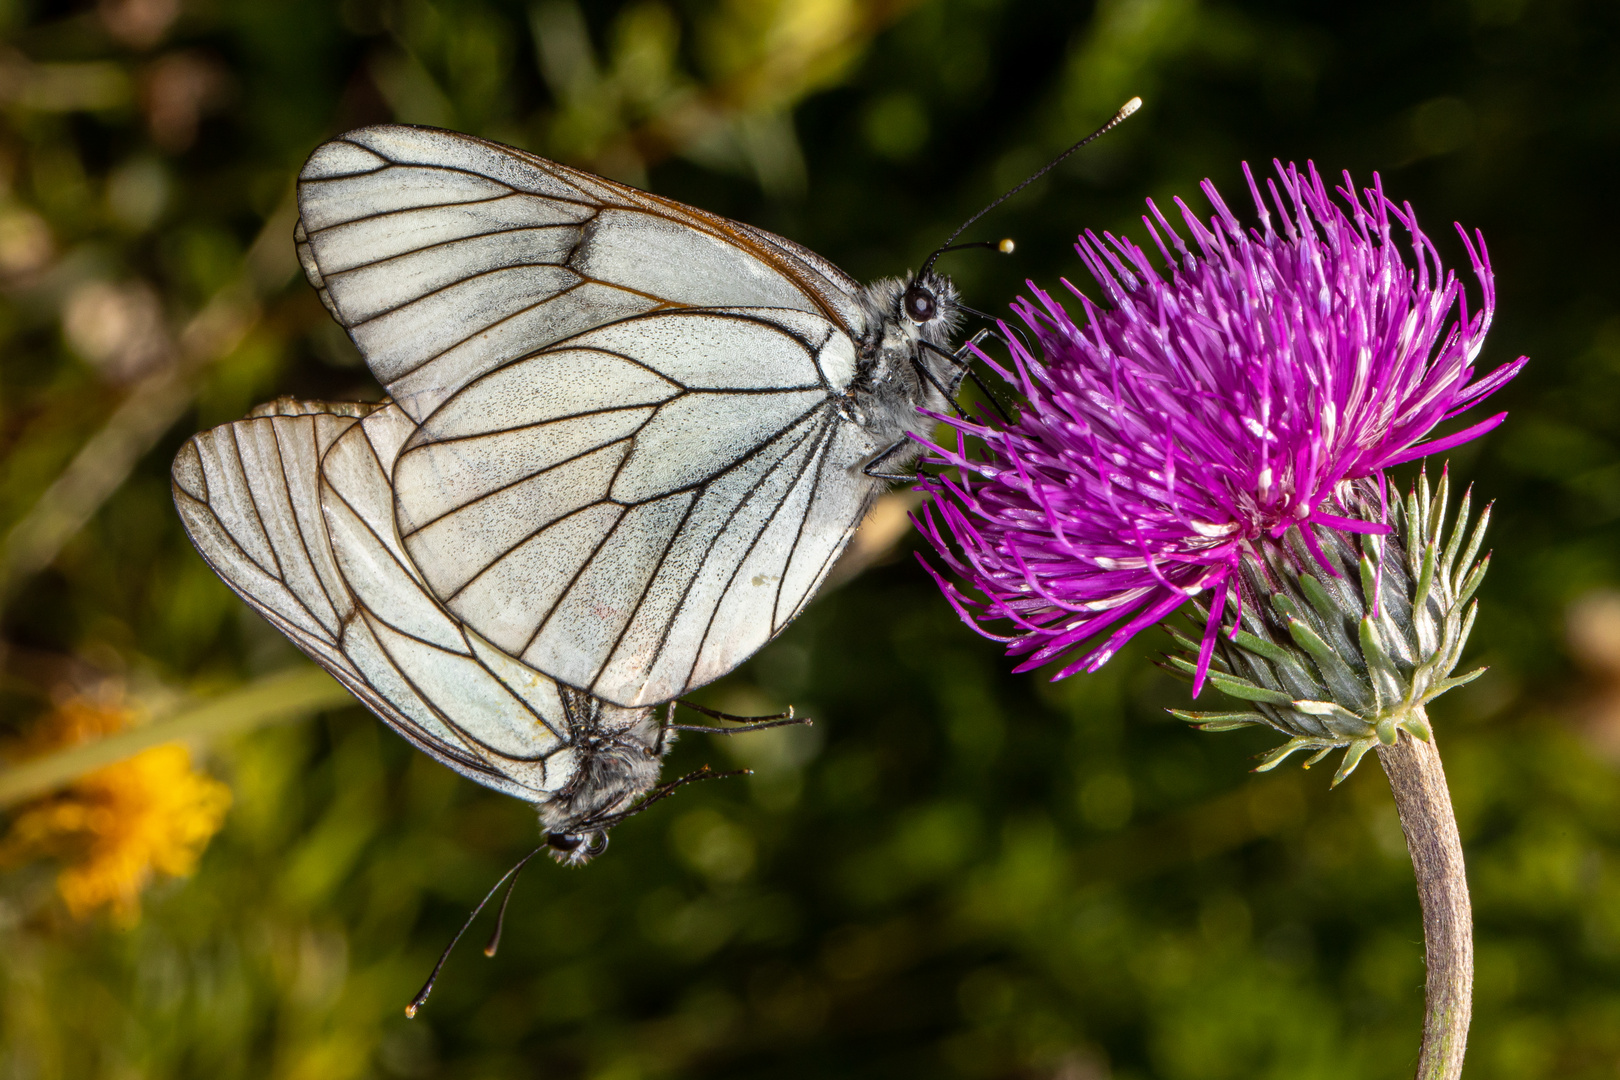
[[1204, 413]]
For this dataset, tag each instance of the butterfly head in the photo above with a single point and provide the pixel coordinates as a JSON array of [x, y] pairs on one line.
[[905, 362], [927, 308], [576, 848]]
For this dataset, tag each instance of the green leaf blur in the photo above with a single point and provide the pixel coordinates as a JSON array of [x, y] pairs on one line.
[[956, 872]]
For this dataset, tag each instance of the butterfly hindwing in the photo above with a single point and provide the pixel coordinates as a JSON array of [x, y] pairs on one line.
[[259, 498], [516, 724]]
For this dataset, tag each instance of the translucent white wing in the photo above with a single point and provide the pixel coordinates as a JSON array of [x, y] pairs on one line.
[[297, 542], [246, 493], [637, 509], [631, 470], [445, 256]]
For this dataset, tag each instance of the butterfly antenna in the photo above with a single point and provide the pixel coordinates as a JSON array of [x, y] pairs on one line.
[[427, 988], [500, 915], [1004, 245], [1125, 110], [1020, 335]]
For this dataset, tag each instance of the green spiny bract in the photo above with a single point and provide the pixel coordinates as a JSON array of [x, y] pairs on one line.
[[1352, 659]]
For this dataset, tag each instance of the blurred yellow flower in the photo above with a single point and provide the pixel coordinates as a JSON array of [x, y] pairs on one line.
[[120, 826]]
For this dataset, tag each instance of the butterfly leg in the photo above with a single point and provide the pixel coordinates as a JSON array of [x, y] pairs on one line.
[[749, 723], [876, 467], [660, 793], [933, 380], [963, 356], [962, 360]]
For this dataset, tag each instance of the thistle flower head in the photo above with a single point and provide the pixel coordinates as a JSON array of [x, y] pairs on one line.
[[1211, 406]]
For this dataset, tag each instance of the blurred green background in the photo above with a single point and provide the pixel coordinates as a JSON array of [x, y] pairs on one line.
[[956, 872]]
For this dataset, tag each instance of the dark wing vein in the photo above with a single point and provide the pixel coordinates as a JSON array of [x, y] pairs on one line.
[[604, 411], [456, 757], [374, 263], [572, 581], [714, 538], [297, 528], [247, 490], [530, 476], [567, 740], [297, 633], [798, 534], [474, 743], [407, 209], [419, 297], [708, 627], [358, 516]]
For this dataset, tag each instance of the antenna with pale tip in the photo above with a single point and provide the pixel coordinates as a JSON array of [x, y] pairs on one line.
[[489, 950], [1006, 246], [598, 823]]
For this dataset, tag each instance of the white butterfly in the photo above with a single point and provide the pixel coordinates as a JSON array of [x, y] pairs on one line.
[[625, 441]]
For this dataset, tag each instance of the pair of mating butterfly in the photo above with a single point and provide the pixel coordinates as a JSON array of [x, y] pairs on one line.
[[624, 442]]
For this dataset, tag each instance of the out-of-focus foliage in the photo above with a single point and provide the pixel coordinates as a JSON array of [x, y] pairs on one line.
[[955, 872]]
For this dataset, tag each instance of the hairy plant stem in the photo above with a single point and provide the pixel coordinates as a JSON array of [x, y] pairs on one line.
[[1424, 802]]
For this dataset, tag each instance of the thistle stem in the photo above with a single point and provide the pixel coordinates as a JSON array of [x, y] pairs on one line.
[[1424, 803]]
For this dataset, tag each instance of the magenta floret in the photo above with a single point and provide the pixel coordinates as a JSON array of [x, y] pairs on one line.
[[1203, 410]]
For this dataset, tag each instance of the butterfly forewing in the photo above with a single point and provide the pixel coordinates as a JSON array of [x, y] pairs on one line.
[[629, 466], [405, 229]]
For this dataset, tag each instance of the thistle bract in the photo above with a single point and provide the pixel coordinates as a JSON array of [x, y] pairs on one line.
[[1350, 657], [1211, 408]]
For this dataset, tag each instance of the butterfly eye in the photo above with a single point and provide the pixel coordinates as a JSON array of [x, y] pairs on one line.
[[564, 841], [920, 306]]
